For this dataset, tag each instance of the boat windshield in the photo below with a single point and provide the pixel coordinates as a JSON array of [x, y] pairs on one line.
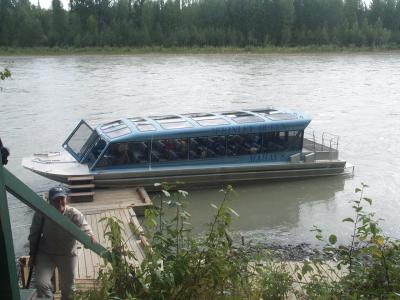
[[80, 140]]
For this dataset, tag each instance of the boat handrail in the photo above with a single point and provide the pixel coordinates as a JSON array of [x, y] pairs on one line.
[[325, 141], [333, 140]]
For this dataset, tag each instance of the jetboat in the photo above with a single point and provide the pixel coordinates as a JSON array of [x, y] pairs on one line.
[[196, 149]]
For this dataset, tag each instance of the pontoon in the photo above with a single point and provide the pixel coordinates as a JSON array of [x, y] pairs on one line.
[[196, 149]]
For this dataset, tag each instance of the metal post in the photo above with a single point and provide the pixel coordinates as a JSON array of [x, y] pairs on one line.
[[337, 143], [315, 149], [8, 272]]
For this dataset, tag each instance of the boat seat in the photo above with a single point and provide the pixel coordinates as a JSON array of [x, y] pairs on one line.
[[172, 155], [193, 143], [220, 150], [210, 153], [143, 146], [193, 155], [158, 145], [154, 156]]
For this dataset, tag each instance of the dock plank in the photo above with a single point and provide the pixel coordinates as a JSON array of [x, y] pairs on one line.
[[80, 267], [102, 228], [96, 260], [139, 251], [118, 203]]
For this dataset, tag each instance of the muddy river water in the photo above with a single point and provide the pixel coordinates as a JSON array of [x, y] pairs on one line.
[[354, 95]]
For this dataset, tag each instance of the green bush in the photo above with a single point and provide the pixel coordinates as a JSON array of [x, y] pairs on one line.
[[5, 74], [367, 268], [181, 265]]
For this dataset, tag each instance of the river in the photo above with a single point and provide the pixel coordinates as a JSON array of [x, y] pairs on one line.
[[354, 95]]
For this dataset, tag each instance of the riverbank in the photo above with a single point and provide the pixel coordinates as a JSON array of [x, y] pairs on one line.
[[40, 51], [287, 252]]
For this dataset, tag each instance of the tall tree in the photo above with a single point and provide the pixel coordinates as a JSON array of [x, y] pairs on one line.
[[58, 31], [281, 23]]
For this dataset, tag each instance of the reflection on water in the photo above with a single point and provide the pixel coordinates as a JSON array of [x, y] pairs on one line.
[[262, 207], [353, 95]]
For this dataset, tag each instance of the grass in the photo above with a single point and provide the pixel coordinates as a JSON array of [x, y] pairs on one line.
[[55, 51]]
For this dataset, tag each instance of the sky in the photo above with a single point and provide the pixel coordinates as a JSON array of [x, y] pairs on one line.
[[47, 3]]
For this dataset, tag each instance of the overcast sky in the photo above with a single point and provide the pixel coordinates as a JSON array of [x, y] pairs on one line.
[[47, 3]]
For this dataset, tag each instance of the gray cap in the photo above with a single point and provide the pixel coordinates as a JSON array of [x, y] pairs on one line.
[[57, 192]]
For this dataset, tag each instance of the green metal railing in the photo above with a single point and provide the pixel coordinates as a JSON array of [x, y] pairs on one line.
[[9, 288]]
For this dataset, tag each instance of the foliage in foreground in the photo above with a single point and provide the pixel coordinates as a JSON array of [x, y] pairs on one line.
[[367, 268], [5, 74], [180, 265]]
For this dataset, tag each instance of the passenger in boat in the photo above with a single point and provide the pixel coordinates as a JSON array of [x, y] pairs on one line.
[[182, 149], [203, 153], [168, 145], [124, 157], [53, 247], [118, 154]]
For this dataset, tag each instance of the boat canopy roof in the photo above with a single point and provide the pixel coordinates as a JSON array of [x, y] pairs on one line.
[[139, 128]]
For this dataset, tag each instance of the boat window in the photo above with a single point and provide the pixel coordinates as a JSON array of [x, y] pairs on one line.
[[295, 140], [142, 124], [198, 116], [207, 147], [207, 119], [243, 117], [96, 151], [234, 114], [247, 119], [169, 150], [263, 112], [281, 116], [127, 153], [244, 144], [115, 129], [139, 152], [136, 119], [212, 121], [115, 155], [275, 141], [176, 125], [81, 139], [119, 132], [167, 118], [112, 125], [145, 127]]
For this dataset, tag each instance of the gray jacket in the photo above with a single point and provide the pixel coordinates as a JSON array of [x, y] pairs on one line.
[[55, 240]]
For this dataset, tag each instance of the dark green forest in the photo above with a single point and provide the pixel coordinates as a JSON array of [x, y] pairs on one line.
[[200, 23]]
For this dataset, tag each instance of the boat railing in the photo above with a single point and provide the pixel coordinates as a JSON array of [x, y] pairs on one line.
[[325, 144]]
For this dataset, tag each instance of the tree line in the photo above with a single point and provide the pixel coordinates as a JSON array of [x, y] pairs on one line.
[[200, 23]]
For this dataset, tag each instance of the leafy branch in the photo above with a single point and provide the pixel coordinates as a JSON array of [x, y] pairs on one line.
[[5, 74]]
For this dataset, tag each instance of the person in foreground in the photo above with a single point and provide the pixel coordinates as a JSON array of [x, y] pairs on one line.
[[51, 246]]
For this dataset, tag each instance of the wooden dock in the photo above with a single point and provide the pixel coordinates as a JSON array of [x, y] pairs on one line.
[[125, 204]]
